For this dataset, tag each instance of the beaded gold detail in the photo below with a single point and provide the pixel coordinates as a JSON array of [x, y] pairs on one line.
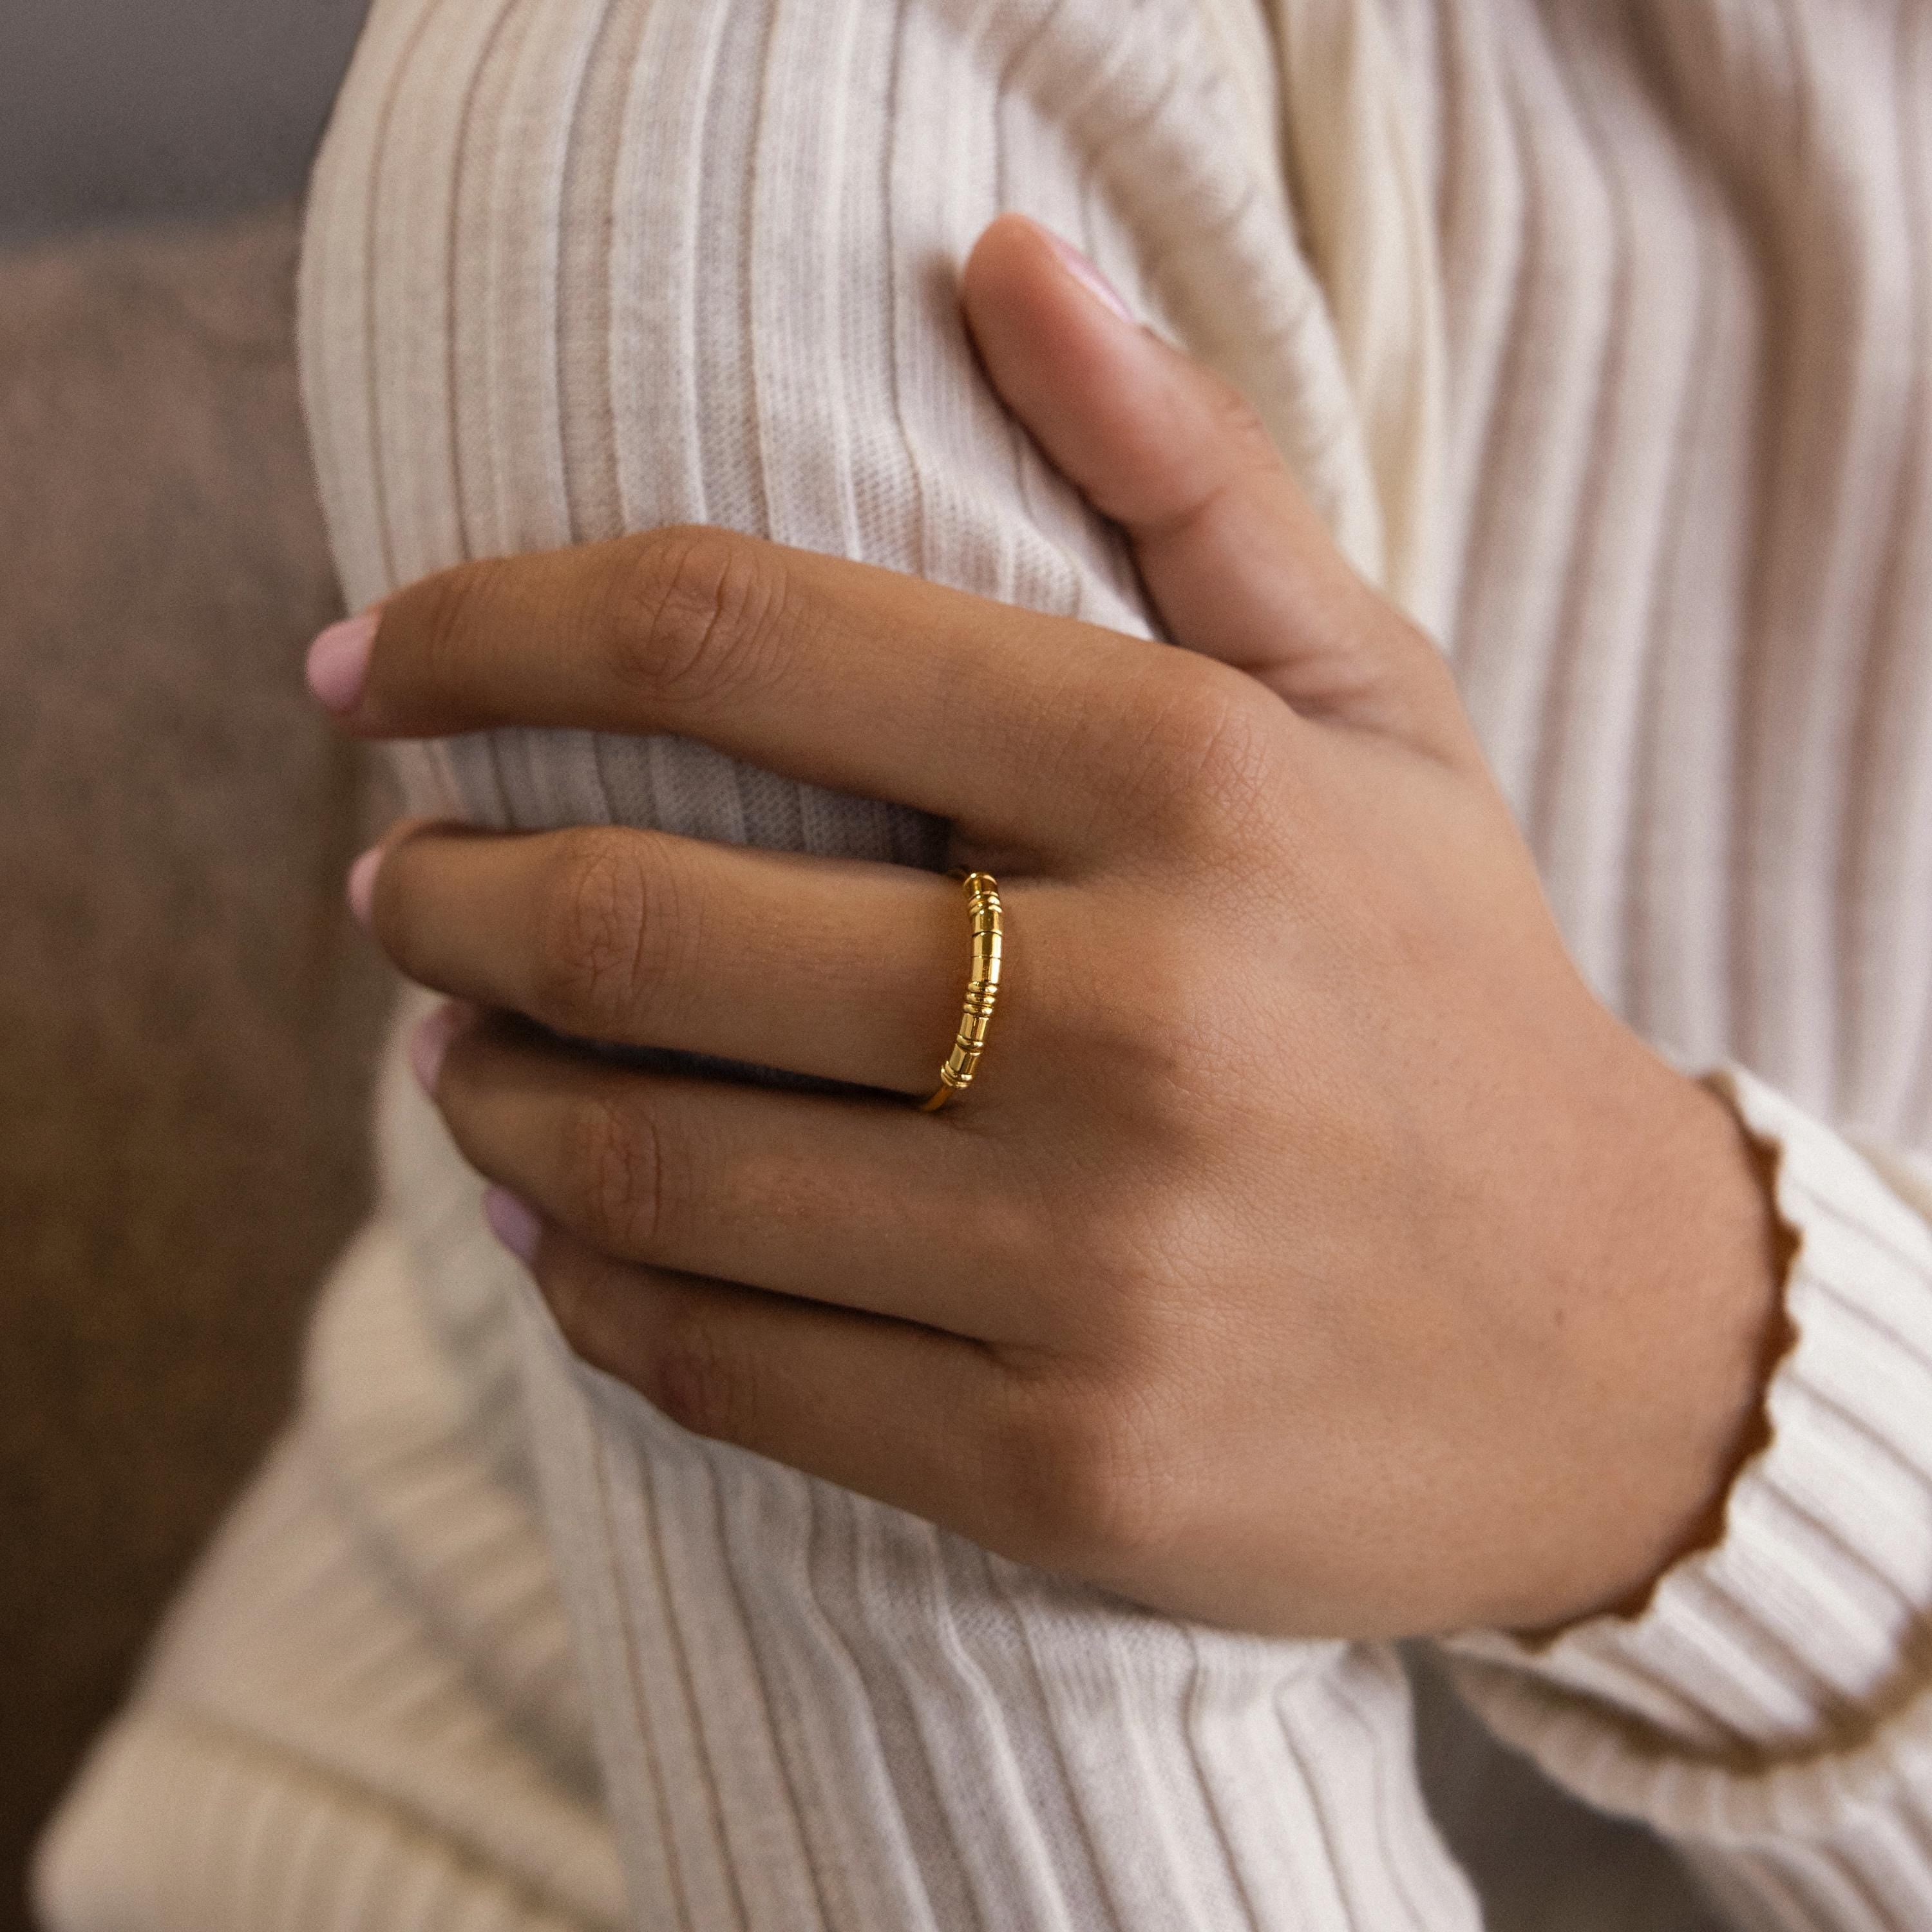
[[982, 897]]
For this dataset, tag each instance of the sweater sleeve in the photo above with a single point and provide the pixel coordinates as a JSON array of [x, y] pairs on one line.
[[1770, 1709], [574, 268]]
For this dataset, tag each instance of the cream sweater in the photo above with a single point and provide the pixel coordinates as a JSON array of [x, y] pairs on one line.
[[1599, 333]]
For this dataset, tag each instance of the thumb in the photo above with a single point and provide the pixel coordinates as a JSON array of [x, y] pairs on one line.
[[1231, 551]]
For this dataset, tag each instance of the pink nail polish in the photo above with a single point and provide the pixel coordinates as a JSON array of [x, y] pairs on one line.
[[431, 1042], [513, 1223], [338, 661], [1090, 277], [361, 890]]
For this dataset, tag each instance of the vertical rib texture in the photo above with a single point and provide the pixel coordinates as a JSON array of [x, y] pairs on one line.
[[1598, 335]]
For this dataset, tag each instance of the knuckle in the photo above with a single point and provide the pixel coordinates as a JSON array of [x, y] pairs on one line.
[[1211, 760], [1162, 1037], [664, 1334], [1135, 1241], [1086, 1475], [692, 1376], [613, 1153], [577, 1290], [596, 923], [1144, 1250], [699, 612]]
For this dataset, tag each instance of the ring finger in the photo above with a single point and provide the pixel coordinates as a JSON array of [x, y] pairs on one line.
[[839, 967]]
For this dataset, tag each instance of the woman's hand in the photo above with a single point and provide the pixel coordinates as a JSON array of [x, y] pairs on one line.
[[1313, 1254]]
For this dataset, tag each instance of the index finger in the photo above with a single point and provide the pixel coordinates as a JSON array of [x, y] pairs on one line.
[[1024, 729]]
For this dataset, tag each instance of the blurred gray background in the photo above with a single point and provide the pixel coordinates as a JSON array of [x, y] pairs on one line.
[[117, 110]]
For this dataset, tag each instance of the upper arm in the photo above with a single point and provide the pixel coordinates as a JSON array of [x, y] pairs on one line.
[[579, 269]]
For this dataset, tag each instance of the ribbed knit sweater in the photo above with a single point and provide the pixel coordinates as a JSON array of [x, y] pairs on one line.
[[1599, 335]]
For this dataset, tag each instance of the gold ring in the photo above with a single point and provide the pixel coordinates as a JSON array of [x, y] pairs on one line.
[[982, 896]]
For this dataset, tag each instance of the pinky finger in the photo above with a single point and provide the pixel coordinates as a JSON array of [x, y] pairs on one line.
[[901, 1413]]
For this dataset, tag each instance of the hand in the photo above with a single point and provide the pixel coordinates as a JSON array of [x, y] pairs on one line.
[[1313, 1253]]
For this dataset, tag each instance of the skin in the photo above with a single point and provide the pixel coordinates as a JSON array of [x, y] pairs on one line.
[[1313, 1254]]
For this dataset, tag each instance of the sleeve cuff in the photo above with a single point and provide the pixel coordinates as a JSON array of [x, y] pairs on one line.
[[1806, 1629]]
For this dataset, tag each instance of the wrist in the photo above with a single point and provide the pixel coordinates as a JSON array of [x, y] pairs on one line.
[[1703, 1257], [1743, 1250]]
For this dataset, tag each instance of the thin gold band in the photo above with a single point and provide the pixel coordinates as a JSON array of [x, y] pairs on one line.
[[982, 896]]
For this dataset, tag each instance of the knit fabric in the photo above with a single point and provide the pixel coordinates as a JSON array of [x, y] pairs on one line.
[[1599, 336]]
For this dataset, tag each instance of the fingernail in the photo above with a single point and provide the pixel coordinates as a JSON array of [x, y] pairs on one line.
[[1090, 277], [513, 1224], [338, 661], [431, 1041], [361, 889]]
